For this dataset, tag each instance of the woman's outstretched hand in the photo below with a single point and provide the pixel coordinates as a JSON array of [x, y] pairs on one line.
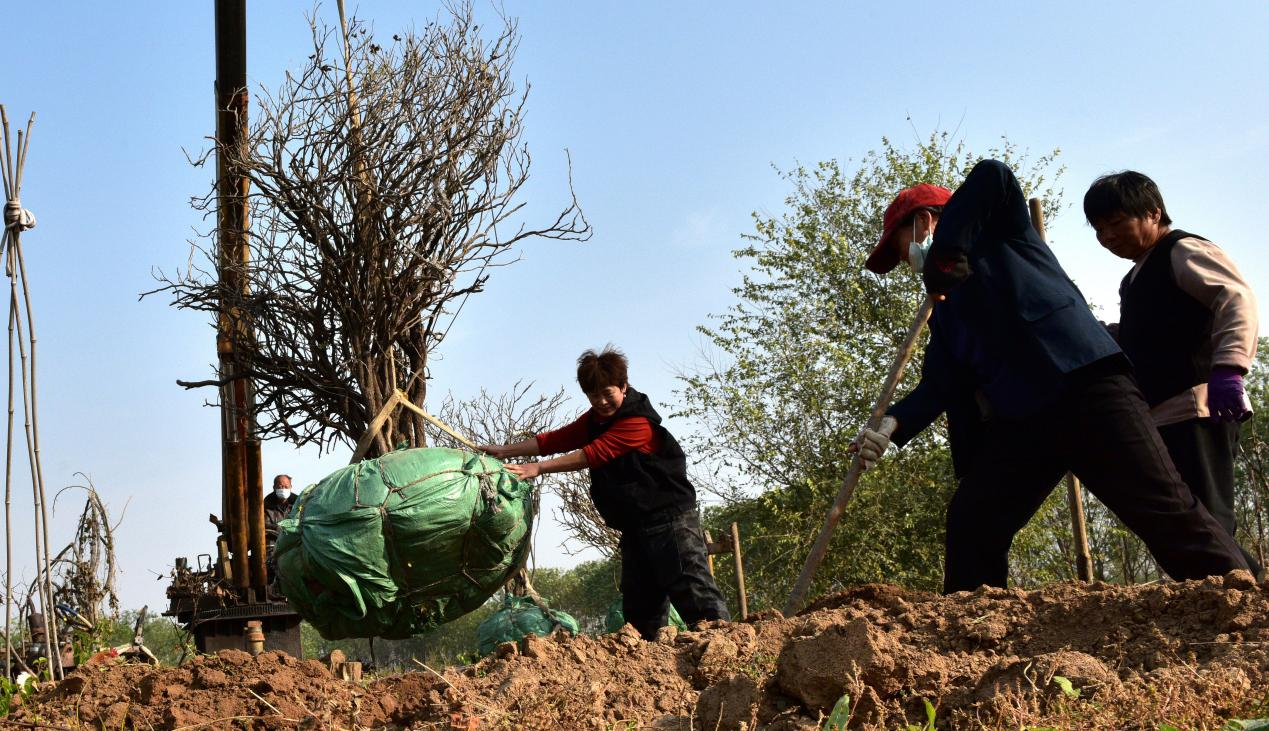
[[526, 471], [501, 451]]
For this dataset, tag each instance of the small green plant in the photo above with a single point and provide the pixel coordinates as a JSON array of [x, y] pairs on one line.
[[1259, 724], [840, 715], [1067, 687], [10, 690], [759, 666], [929, 719]]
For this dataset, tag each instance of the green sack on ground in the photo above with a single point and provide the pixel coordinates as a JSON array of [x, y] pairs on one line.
[[395, 546], [518, 617], [616, 618]]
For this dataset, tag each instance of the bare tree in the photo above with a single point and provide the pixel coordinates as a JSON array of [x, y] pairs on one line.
[[580, 518], [502, 419], [384, 184]]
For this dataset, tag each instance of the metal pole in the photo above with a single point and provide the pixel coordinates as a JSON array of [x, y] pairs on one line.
[[237, 402], [255, 518], [1074, 496]]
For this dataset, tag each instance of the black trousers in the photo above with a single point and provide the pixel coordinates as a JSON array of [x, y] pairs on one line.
[[1203, 452], [1100, 429], [664, 561]]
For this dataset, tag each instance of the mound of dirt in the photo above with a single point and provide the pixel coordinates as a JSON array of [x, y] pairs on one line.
[[1191, 654]]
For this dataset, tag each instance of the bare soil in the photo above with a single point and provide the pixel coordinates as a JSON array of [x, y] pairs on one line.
[[1191, 654]]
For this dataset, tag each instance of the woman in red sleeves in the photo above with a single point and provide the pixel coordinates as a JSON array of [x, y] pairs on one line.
[[639, 484]]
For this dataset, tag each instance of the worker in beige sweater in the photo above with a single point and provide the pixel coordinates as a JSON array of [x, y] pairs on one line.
[[1189, 324]]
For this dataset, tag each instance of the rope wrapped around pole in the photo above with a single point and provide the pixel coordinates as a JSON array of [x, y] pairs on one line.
[[17, 217]]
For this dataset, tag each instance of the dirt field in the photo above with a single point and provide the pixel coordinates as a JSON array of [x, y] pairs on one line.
[[1192, 654]]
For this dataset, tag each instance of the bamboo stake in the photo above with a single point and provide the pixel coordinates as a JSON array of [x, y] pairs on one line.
[[1074, 495], [16, 269], [41, 528], [8, 524], [844, 494], [38, 465], [8, 454]]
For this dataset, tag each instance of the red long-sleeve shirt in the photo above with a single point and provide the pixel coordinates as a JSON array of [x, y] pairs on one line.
[[633, 433]]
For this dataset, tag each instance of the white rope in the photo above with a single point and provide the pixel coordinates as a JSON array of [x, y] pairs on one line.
[[15, 216]]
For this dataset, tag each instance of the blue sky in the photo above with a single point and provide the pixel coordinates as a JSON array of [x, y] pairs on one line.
[[674, 114]]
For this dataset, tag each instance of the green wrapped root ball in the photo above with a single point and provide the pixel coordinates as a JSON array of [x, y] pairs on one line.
[[395, 546], [518, 617], [616, 617]]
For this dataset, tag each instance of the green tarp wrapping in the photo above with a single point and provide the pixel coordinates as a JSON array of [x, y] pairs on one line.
[[518, 617], [617, 618], [394, 546]]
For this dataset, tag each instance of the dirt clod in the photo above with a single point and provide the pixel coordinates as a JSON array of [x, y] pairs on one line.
[[729, 704]]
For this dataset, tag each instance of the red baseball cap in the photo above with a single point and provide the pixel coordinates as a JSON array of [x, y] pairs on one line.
[[884, 256]]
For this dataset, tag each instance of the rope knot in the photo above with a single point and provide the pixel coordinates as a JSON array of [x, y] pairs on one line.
[[488, 490], [15, 216]]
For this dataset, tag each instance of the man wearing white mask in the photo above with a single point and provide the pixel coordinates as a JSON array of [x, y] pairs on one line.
[[1033, 386], [278, 503]]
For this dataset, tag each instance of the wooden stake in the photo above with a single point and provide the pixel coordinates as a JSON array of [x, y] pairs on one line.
[[399, 399], [844, 494], [405, 401], [363, 444], [740, 572], [1074, 496]]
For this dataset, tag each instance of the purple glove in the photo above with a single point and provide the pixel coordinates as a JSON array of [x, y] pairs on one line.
[[1226, 399]]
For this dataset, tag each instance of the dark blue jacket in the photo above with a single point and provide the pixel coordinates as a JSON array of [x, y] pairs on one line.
[[1013, 326]]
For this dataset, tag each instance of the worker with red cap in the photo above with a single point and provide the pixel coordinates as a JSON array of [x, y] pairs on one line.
[[1033, 386]]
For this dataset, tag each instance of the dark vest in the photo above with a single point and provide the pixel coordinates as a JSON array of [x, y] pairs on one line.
[[637, 488], [1166, 333]]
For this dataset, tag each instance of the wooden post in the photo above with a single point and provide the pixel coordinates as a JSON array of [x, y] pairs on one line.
[[803, 583], [709, 551], [740, 572], [1074, 497]]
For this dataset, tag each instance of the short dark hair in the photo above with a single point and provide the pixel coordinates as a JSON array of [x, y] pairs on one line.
[[597, 371], [278, 477], [1128, 192]]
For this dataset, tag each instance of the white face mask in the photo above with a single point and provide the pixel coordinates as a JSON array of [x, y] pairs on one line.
[[918, 251], [282, 493]]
